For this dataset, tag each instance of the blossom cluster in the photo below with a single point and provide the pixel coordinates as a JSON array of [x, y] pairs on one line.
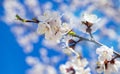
[[106, 61], [50, 25], [75, 66]]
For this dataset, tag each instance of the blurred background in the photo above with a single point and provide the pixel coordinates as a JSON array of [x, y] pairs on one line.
[[22, 51]]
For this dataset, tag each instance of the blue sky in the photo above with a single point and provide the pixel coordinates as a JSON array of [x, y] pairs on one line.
[[12, 57]]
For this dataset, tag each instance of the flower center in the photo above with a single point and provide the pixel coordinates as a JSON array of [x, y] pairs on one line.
[[88, 24], [105, 53], [71, 70]]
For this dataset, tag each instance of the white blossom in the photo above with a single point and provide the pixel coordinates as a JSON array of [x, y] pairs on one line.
[[65, 28], [107, 63], [89, 22], [105, 53], [52, 27], [89, 17], [75, 66], [109, 68]]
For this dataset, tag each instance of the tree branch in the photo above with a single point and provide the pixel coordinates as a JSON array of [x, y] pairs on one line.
[[94, 41], [34, 20]]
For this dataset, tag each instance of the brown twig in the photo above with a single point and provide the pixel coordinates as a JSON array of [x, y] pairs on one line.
[[34, 20], [94, 41]]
